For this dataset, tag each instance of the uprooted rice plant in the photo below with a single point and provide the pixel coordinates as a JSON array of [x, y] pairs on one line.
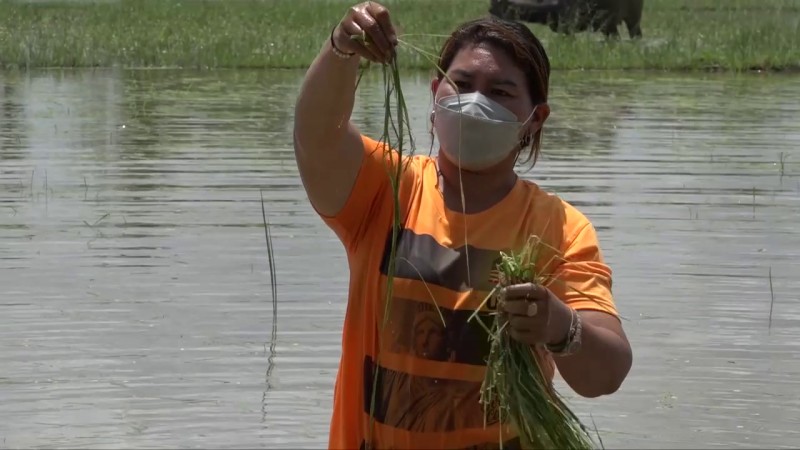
[[515, 382]]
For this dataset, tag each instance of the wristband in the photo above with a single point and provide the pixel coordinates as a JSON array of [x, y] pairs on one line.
[[572, 342]]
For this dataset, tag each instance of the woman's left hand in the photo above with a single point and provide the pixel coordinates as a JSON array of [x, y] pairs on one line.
[[535, 314]]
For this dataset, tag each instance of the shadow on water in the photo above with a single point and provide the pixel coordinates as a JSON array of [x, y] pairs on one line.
[[136, 307]]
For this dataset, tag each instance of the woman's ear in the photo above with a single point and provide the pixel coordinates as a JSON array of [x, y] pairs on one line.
[[540, 116]]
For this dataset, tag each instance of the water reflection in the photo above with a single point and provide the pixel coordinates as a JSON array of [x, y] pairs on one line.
[[11, 144], [137, 302]]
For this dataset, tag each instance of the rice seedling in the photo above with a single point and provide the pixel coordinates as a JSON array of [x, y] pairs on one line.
[[515, 383], [274, 288], [782, 162], [396, 138], [771, 301]]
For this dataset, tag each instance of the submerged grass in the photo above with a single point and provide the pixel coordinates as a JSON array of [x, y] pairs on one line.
[[678, 34]]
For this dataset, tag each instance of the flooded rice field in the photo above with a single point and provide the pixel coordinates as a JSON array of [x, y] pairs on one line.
[[136, 306]]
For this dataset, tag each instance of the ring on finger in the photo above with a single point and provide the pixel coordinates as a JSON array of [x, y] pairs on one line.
[[533, 308]]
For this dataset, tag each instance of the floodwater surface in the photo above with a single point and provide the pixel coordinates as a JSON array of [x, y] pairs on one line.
[[136, 306]]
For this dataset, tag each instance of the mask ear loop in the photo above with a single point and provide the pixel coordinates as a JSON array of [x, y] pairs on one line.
[[527, 135], [432, 128]]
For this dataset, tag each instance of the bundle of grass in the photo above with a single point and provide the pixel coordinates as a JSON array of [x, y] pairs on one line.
[[515, 383]]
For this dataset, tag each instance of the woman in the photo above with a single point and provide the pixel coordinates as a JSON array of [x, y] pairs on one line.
[[447, 247]]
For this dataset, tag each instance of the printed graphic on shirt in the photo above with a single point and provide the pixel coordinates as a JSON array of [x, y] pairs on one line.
[[424, 404], [424, 329], [420, 257], [436, 333]]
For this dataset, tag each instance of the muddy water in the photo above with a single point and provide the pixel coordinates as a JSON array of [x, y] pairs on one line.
[[136, 307]]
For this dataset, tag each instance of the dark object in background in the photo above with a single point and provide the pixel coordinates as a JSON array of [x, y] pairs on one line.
[[572, 16]]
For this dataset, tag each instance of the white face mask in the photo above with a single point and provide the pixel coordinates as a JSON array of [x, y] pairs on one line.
[[479, 134]]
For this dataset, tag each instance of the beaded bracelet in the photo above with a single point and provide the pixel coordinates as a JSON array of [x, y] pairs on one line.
[[338, 52]]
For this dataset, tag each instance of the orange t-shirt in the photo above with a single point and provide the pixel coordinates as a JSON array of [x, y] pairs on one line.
[[427, 391]]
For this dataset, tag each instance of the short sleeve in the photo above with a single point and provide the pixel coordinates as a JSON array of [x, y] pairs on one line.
[[583, 280], [369, 204]]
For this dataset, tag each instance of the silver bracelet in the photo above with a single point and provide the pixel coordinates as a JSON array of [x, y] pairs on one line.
[[572, 342]]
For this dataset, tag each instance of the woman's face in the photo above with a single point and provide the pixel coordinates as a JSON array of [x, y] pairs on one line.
[[430, 341], [490, 71]]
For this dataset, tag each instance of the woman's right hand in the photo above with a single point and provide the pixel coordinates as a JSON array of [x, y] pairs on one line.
[[366, 30]]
